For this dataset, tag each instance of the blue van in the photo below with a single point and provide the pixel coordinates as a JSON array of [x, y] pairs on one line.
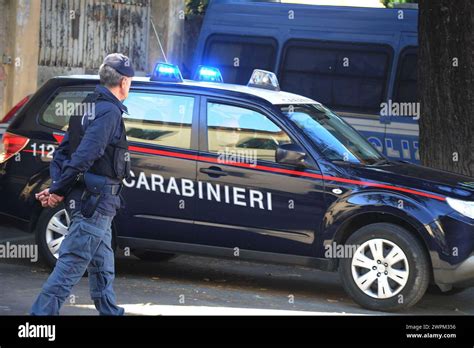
[[360, 62]]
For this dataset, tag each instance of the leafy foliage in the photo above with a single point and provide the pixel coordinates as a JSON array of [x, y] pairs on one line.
[[196, 7], [389, 3]]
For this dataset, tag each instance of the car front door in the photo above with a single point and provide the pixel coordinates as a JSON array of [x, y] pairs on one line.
[[161, 131], [246, 200]]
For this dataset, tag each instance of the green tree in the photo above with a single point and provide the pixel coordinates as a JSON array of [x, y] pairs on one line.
[[196, 7]]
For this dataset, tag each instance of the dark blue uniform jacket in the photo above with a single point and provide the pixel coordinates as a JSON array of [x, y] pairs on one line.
[[100, 131]]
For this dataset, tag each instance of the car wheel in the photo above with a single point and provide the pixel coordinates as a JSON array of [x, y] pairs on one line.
[[50, 231], [388, 270], [154, 256]]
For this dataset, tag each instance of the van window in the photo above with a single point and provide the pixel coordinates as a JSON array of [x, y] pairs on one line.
[[406, 84], [237, 56], [343, 76], [243, 132], [160, 119]]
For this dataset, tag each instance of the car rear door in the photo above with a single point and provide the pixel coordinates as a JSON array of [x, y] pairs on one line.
[[162, 132]]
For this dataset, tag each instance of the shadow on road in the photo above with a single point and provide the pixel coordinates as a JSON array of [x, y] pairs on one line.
[[209, 282]]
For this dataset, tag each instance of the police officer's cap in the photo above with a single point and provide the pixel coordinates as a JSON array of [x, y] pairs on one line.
[[120, 63]]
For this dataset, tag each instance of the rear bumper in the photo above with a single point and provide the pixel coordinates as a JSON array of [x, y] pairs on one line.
[[461, 276]]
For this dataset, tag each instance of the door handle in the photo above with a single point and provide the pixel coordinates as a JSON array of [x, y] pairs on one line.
[[213, 171]]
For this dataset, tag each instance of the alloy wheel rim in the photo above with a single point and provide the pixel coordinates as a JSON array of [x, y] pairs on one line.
[[56, 231], [380, 268]]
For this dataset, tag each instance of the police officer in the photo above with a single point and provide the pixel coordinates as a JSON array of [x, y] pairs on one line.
[[87, 172]]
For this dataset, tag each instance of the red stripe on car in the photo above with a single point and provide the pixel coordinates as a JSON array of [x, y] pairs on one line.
[[145, 150]]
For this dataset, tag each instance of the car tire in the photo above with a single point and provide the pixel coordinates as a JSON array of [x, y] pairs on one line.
[[398, 281], [49, 231], [153, 256]]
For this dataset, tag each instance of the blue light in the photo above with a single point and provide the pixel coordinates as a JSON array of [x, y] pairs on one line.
[[165, 72], [210, 74], [207, 72]]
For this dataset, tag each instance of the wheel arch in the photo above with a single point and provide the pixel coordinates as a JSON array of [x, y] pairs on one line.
[[349, 213], [357, 221], [366, 218]]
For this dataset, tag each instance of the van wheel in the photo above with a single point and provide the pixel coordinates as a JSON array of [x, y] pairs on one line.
[[389, 270], [153, 256], [50, 231]]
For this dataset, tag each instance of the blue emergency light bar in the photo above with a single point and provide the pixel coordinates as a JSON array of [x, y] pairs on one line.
[[210, 74], [165, 72]]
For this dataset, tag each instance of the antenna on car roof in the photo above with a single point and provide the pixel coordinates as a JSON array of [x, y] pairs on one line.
[[158, 39]]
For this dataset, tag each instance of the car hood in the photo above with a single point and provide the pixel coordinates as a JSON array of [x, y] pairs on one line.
[[417, 177]]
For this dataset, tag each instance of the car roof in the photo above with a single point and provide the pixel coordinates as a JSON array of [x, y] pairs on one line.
[[273, 97]]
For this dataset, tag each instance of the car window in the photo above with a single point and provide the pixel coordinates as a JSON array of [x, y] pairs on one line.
[[243, 132], [62, 106], [334, 138], [161, 119]]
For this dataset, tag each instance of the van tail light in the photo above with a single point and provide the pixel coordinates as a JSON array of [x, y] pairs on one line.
[[15, 109], [12, 144]]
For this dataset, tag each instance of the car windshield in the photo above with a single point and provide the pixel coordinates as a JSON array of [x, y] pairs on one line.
[[334, 138]]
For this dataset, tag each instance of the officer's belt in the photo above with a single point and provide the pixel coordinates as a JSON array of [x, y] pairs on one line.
[[113, 189]]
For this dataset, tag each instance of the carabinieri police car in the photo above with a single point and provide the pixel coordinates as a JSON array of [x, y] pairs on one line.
[[255, 173]]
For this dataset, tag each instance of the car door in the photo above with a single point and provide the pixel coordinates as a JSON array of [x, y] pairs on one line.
[[161, 130], [246, 199]]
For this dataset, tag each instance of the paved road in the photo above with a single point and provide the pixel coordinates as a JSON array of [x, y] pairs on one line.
[[198, 285]]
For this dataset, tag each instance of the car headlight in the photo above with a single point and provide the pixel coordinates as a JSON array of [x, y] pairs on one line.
[[463, 207]]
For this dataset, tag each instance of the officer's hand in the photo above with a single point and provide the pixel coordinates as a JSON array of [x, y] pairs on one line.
[[54, 200], [43, 197]]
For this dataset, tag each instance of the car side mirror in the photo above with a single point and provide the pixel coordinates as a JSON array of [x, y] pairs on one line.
[[291, 154]]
